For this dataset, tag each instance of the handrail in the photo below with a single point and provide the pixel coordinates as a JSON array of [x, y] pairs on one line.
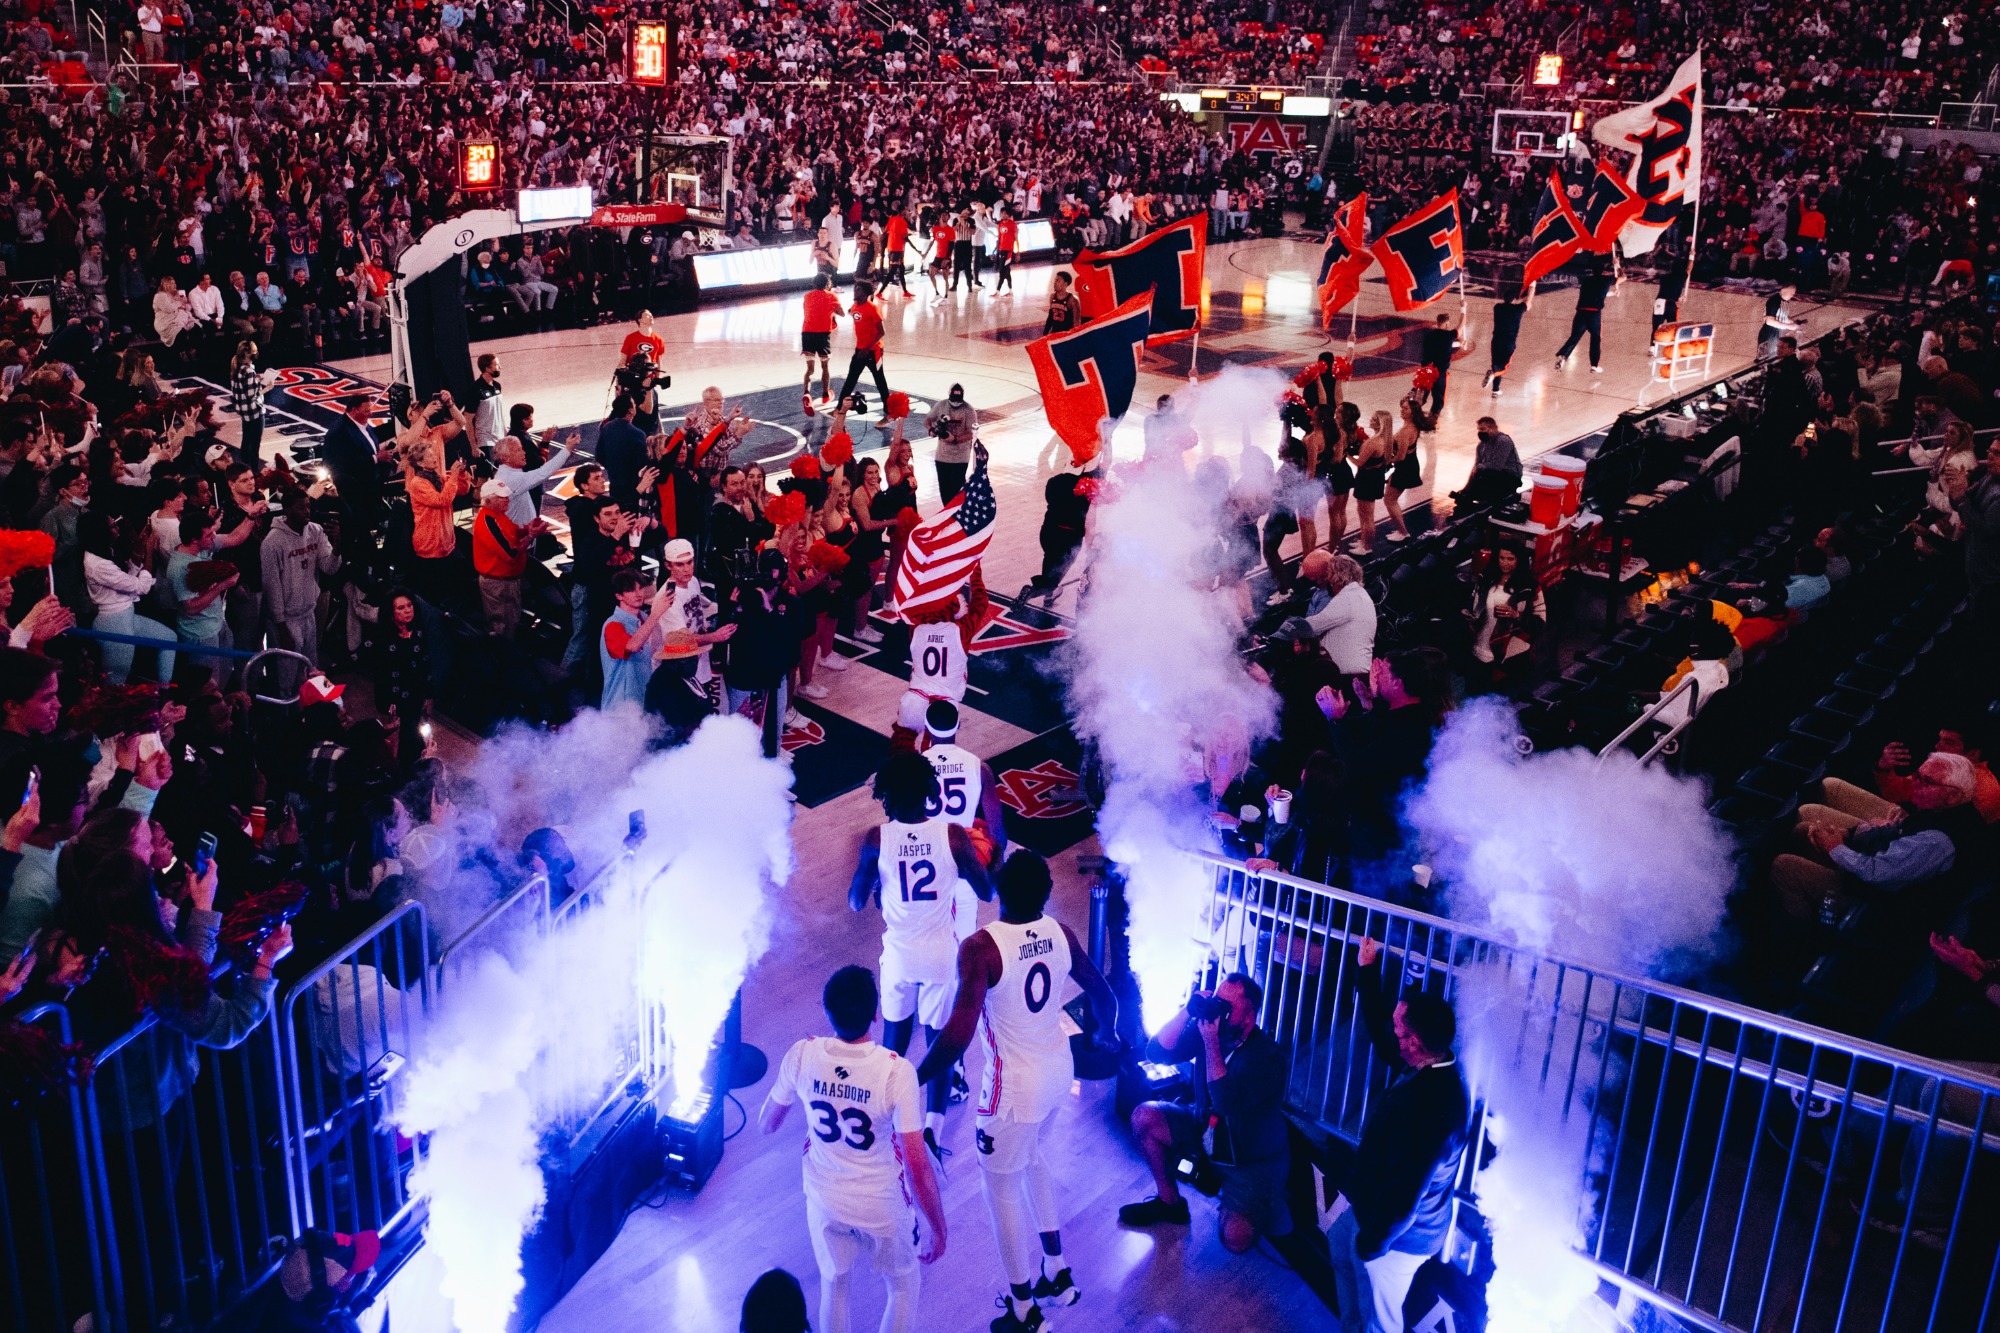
[[1688, 685], [1857, 1047], [494, 913]]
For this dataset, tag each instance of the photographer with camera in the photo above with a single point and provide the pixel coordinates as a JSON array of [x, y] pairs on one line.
[[1235, 1130], [953, 423], [640, 380]]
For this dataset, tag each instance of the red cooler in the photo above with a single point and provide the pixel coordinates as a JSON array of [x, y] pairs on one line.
[[1570, 471], [1545, 504]]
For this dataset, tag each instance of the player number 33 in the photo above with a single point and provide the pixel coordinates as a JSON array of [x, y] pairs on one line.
[[858, 1128]]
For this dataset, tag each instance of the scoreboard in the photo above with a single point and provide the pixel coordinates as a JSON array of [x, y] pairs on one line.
[[651, 53]]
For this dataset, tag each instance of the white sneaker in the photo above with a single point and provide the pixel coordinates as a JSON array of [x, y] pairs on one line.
[[794, 718], [833, 662], [868, 634], [1597, 370], [813, 691], [1398, 537]]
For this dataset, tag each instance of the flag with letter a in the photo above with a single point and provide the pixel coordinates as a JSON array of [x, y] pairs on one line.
[[1423, 255], [1167, 263], [1346, 258], [1665, 137], [1557, 233], [1087, 375]]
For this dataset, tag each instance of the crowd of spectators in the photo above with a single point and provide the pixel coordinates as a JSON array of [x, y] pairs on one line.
[[1833, 56]]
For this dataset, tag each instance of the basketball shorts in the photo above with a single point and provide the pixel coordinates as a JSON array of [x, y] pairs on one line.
[[920, 978], [838, 1245], [1007, 1145], [816, 344]]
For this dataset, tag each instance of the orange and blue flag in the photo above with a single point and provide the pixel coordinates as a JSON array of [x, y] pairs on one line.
[[1087, 375], [1346, 258], [1556, 235], [1167, 263], [1423, 255], [1610, 204]]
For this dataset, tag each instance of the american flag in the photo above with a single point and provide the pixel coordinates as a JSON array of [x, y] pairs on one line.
[[944, 551]]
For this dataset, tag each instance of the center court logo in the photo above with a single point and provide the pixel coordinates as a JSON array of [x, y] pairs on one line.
[[1029, 792]]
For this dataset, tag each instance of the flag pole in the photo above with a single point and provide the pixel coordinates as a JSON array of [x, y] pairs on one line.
[[1353, 320], [1194, 356]]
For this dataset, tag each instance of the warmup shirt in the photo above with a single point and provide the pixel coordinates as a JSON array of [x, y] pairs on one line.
[[1028, 1064], [1010, 232], [918, 874], [867, 327], [959, 786], [896, 235], [858, 1096], [821, 310], [937, 661], [942, 237], [958, 776]]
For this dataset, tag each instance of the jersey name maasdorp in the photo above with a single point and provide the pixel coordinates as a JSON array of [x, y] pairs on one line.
[[844, 1091]]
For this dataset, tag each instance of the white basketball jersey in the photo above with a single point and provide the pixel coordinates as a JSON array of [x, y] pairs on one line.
[[857, 1098], [918, 876], [959, 783], [1028, 1064], [937, 661]]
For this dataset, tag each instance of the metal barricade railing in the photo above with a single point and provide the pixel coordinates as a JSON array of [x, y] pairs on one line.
[[1688, 686], [1745, 1171], [343, 1033], [51, 1265], [185, 1159], [523, 915]]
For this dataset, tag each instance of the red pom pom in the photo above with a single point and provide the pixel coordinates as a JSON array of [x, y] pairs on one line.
[[786, 510], [1343, 368], [827, 556], [806, 468], [1089, 487], [839, 450], [897, 406], [1309, 374], [25, 550], [34, 1064], [162, 975], [246, 925], [907, 521], [1425, 377], [205, 574], [117, 710]]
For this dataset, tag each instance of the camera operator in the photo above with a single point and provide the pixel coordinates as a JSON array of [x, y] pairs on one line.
[[953, 423], [1235, 1131], [640, 380]]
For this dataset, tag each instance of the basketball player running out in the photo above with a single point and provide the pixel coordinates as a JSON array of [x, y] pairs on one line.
[[1010, 976], [940, 647], [912, 865], [864, 1159], [968, 796]]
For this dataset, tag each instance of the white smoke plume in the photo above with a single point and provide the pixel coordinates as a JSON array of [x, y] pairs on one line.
[[1156, 681], [529, 1030], [1611, 865]]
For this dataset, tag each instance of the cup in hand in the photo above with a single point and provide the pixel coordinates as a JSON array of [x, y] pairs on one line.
[[1281, 807]]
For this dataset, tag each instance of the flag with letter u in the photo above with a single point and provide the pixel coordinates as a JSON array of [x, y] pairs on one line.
[[1167, 263], [1423, 255], [1346, 258], [1557, 233], [1087, 374], [1665, 137], [1607, 208]]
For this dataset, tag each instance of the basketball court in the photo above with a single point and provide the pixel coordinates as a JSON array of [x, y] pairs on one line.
[[685, 1264]]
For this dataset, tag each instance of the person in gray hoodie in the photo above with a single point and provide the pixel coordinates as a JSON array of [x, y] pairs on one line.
[[296, 554]]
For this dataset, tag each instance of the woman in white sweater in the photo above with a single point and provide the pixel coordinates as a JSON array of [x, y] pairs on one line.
[[116, 581]]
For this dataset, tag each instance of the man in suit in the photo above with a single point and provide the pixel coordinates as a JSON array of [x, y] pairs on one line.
[[1399, 1197], [351, 456]]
